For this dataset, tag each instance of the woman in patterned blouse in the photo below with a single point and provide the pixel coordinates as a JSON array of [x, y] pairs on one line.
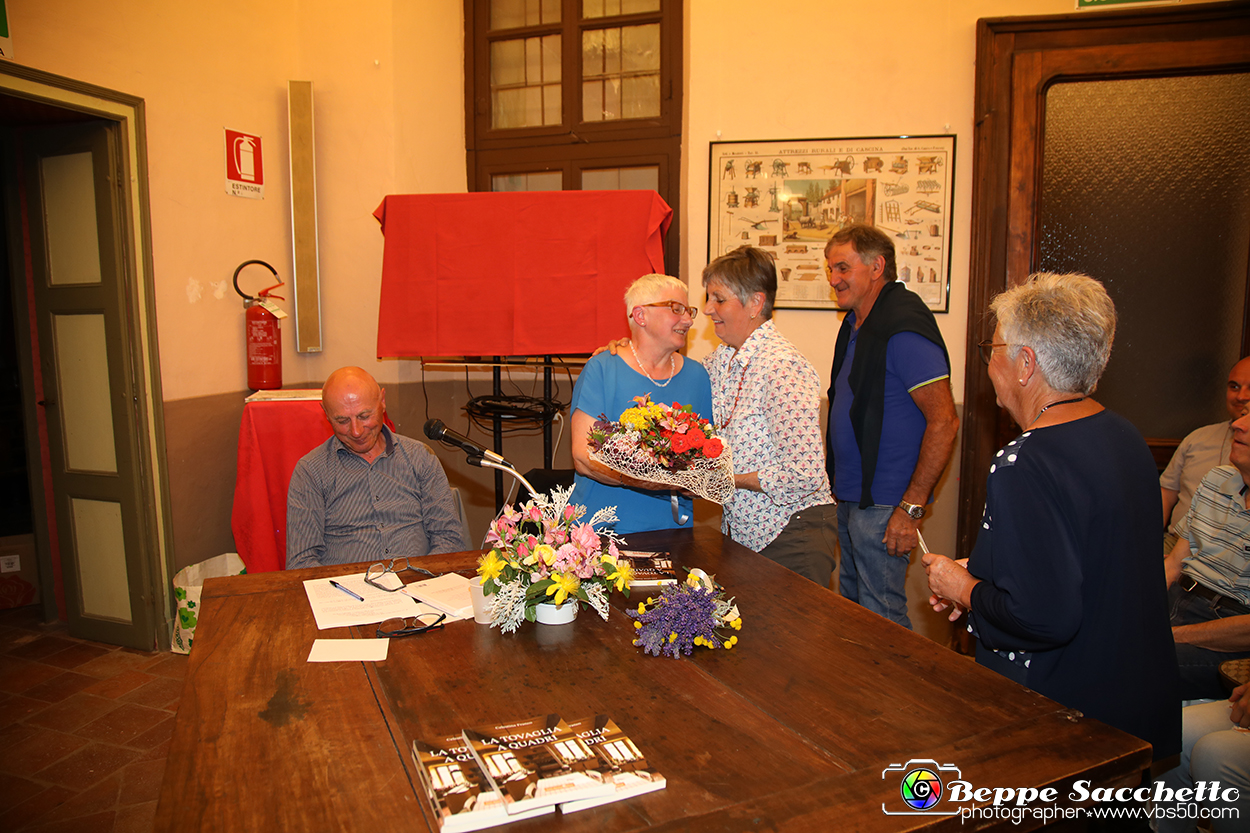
[[766, 404]]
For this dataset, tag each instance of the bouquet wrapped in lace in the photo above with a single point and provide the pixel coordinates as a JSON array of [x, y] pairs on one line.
[[665, 444], [544, 553]]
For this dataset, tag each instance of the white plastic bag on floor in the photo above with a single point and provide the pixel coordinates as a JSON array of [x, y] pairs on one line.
[[187, 586]]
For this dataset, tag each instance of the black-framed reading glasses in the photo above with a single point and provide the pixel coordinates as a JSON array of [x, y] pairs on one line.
[[373, 575], [395, 628]]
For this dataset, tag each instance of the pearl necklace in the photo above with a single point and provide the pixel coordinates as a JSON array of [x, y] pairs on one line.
[[672, 367]]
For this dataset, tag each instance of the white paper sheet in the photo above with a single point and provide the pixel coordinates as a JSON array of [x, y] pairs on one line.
[[332, 608], [449, 593], [348, 650]]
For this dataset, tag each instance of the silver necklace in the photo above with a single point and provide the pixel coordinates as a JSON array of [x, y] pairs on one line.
[[672, 367]]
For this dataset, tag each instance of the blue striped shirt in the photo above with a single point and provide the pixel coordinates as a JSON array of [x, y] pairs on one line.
[[341, 509], [1219, 535]]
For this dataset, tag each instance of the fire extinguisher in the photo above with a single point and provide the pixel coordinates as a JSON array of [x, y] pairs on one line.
[[264, 336]]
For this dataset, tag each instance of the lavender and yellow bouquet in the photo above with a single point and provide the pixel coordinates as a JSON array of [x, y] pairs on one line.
[[667, 444], [685, 615], [544, 553]]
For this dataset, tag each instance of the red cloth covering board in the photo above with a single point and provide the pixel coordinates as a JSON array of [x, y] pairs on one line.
[[515, 273], [273, 436]]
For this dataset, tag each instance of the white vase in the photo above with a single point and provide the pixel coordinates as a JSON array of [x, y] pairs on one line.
[[549, 614]]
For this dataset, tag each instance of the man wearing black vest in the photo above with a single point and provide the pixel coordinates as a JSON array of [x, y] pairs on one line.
[[892, 421]]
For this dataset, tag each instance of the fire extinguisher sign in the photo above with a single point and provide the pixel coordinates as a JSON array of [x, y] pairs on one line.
[[245, 173]]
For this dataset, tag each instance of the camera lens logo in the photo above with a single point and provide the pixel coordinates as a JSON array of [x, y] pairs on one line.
[[921, 789]]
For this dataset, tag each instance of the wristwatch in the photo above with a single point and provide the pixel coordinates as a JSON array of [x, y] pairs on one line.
[[914, 510]]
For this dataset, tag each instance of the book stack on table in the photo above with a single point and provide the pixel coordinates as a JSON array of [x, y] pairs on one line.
[[491, 775]]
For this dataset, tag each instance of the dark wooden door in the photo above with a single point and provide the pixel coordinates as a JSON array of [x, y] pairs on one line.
[[1018, 61]]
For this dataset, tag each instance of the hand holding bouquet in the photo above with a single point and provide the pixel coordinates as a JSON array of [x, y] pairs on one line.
[[665, 444]]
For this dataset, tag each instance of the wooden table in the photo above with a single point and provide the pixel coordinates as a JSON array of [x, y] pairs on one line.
[[791, 730]]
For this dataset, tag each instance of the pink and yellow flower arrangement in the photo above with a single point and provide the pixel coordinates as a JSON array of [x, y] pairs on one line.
[[543, 552]]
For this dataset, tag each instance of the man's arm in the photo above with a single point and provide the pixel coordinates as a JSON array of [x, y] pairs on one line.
[[1232, 633], [443, 530], [305, 521], [1173, 560], [1170, 497], [941, 427]]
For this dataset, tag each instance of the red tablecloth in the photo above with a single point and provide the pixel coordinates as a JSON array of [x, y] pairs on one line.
[[513, 274], [273, 436]]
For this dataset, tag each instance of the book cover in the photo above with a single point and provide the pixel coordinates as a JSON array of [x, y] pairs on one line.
[[651, 569], [460, 794], [537, 762], [623, 764]]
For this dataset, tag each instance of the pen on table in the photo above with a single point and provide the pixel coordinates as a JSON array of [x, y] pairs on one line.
[[354, 595], [924, 548]]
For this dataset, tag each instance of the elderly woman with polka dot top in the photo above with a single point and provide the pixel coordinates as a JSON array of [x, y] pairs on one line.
[[1063, 590]]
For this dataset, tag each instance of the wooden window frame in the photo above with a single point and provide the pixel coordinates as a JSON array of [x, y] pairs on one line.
[[575, 145]]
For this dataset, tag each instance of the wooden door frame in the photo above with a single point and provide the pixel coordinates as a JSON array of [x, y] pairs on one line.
[[127, 112], [1017, 59]]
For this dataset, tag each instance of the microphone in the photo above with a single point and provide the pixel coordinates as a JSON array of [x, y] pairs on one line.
[[436, 430]]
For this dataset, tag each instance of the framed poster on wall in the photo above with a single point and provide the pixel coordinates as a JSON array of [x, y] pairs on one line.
[[789, 197]]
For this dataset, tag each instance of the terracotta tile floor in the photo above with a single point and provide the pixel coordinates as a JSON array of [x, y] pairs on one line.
[[84, 729]]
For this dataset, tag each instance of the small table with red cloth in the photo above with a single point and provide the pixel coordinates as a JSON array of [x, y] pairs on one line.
[[514, 273], [273, 436]]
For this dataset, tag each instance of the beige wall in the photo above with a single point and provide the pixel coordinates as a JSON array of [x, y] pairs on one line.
[[388, 95], [388, 86]]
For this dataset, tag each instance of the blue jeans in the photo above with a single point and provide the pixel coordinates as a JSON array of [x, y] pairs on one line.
[[1199, 667], [870, 576]]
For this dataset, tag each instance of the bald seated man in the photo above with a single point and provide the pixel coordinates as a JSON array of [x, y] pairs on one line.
[[367, 494], [1198, 453]]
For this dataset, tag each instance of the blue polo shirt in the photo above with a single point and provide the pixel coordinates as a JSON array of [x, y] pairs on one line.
[[912, 361]]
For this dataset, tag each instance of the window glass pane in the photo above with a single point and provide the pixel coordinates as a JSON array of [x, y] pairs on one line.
[[551, 59], [533, 105], [507, 63], [640, 48], [553, 106], [640, 97], [86, 403], [592, 53], [1147, 177], [544, 181], [508, 108], [101, 561], [611, 51], [69, 200], [592, 101], [525, 82], [604, 8], [509, 14], [621, 73], [643, 178], [533, 59]]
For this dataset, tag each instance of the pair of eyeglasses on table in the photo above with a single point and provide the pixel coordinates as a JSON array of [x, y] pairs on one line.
[[412, 625]]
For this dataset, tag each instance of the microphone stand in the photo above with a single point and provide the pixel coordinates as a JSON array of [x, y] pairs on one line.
[[477, 460]]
